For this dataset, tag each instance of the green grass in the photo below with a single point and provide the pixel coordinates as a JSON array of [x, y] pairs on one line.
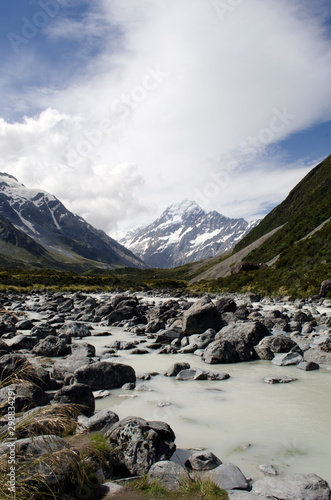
[[190, 489]]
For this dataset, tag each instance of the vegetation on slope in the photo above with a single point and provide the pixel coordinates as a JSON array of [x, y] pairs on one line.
[[307, 206]]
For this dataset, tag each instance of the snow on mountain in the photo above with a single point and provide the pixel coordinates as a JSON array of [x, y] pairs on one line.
[[45, 219], [185, 233]]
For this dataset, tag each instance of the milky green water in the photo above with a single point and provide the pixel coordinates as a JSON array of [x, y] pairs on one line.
[[286, 425]]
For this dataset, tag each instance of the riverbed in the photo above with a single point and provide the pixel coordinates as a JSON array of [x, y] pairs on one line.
[[242, 420]]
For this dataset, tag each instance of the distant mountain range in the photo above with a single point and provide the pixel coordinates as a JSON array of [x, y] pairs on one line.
[[185, 233], [37, 230]]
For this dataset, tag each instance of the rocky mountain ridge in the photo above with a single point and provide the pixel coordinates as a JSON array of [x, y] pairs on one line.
[[185, 233], [61, 237]]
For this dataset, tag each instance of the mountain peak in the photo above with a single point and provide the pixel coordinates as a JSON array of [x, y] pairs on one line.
[[184, 206], [185, 233]]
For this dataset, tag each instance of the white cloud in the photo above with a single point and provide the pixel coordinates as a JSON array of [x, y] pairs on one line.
[[225, 79]]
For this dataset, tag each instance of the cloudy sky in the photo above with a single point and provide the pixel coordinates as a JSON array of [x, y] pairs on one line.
[[120, 108]]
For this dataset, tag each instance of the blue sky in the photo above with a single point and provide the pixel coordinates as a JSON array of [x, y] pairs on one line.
[[140, 104]]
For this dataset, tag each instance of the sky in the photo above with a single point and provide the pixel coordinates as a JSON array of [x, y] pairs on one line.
[[121, 108]]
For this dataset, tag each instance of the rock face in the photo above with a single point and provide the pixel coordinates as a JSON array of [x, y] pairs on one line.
[[235, 343], [202, 315], [185, 233], [293, 487], [104, 375], [38, 222], [138, 444]]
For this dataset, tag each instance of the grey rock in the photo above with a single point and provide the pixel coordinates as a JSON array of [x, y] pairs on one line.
[[203, 460], [104, 375], [24, 324], [226, 304], [101, 421], [325, 288], [54, 472], [279, 380], [110, 490], [244, 495], [293, 357], [165, 336], [308, 366], [268, 469], [320, 354], [78, 394], [75, 329], [51, 347], [268, 346], [129, 386], [154, 325], [228, 477], [293, 487], [65, 367], [202, 315], [83, 350], [27, 396], [169, 474], [138, 444], [21, 341]]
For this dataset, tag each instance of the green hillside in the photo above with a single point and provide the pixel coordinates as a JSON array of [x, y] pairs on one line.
[[306, 206]]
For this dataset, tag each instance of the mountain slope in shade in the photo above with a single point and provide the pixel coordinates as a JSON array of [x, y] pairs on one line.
[[185, 233], [64, 236]]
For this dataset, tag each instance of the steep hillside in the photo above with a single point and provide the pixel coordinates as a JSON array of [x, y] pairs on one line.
[[305, 208], [64, 236], [292, 244]]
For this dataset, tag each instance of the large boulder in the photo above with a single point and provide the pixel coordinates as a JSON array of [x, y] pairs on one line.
[[268, 346], [77, 394], [202, 315], [226, 304], [66, 367], [47, 456], [104, 375], [228, 477], [319, 354], [174, 369], [293, 487], [169, 474], [138, 444], [27, 396], [125, 312], [51, 346], [21, 341], [325, 288], [75, 329], [101, 421], [235, 342]]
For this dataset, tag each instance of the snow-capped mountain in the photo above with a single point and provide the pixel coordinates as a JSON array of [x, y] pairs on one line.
[[64, 236], [185, 233]]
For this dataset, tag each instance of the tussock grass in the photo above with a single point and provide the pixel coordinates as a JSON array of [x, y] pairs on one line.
[[190, 489]]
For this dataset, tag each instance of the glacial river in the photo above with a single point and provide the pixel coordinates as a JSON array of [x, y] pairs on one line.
[[241, 420]]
